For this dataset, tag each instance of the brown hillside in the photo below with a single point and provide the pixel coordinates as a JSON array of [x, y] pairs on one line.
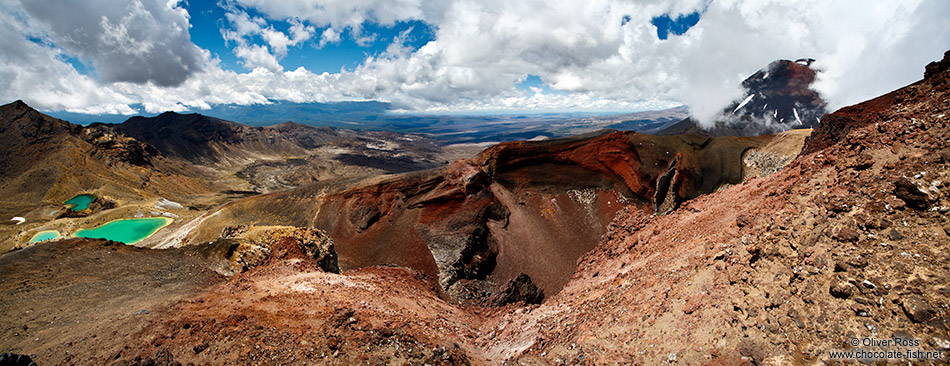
[[45, 161], [849, 241]]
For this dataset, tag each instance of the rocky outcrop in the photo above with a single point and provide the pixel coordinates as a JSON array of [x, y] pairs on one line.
[[248, 247], [520, 289], [114, 147], [936, 72], [911, 194]]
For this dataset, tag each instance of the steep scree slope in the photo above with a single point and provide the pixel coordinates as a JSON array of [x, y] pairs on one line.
[[849, 241]]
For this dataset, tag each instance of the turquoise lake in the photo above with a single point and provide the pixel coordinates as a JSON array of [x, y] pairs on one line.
[[45, 235], [80, 202], [128, 231]]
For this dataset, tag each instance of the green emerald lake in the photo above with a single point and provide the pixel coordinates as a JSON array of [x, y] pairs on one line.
[[80, 202], [45, 235], [128, 231]]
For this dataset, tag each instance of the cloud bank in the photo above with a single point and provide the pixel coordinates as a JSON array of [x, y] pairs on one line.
[[595, 55], [126, 41]]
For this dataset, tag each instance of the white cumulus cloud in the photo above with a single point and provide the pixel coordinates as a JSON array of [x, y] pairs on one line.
[[596, 54], [135, 41]]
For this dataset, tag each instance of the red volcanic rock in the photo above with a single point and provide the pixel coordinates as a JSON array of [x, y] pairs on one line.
[[775, 270], [837, 125], [880, 110], [521, 207]]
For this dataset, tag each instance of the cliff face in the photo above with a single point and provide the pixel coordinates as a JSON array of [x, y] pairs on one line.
[[527, 208]]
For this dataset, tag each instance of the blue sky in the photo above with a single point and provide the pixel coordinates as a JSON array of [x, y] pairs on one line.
[[208, 17], [678, 25], [126, 57]]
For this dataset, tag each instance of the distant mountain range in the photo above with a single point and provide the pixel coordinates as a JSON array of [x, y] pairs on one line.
[[777, 98], [447, 128], [318, 114]]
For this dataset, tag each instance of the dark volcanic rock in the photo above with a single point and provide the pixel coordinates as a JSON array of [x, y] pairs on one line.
[[911, 194], [847, 234], [363, 217], [520, 289], [841, 290], [13, 359], [112, 145], [933, 69], [917, 309], [202, 139], [894, 235]]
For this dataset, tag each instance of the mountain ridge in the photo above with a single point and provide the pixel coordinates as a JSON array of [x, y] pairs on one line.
[[847, 242], [204, 139], [776, 98]]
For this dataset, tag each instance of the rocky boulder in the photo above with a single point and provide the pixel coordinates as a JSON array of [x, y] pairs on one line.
[[252, 246], [520, 289]]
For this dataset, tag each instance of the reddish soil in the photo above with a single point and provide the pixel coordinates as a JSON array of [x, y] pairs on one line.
[[778, 270], [848, 241]]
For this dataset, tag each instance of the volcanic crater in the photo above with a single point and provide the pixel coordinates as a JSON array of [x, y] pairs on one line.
[[640, 249]]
